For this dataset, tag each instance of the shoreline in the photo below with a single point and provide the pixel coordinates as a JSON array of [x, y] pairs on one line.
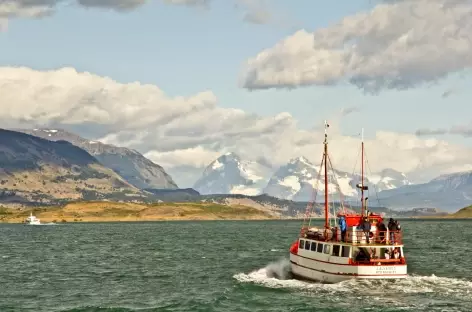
[[104, 211], [108, 219]]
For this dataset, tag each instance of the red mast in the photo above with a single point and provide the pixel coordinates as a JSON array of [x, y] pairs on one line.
[[326, 173], [362, 174]]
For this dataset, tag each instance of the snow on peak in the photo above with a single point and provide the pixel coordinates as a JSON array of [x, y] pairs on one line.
[[299, 179], [301, 159], [216, 165], [228, 174]]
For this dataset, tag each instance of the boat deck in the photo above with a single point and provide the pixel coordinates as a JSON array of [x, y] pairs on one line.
[[356, 237]]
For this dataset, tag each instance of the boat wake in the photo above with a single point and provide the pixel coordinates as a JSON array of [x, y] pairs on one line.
[[278, 275]]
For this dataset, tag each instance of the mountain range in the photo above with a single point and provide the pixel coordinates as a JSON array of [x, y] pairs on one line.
[[42, 166], [295, 180]]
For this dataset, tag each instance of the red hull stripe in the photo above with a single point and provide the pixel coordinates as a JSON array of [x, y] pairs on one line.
[[346, 274], [342, 263]]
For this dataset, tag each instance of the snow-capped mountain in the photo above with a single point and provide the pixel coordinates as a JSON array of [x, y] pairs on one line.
[[229, 174], [389, 179], [297, 181]]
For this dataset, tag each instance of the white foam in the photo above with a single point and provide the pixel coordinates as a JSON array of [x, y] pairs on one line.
[[277, 275]]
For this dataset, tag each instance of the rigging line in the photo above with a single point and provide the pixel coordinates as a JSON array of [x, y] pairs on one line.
[[309, 208], [316, 191], [355, 164], [338, 188], [341, 195], [332, 201], [375, 187]]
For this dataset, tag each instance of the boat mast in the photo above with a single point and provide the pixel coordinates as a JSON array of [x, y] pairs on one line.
[[362, 174], [326, 173]]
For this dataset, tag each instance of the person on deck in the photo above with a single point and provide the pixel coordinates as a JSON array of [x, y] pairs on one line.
[[382, 230], [392, 228], [362, 256], [365, 226], [396, 253], [343, 228]]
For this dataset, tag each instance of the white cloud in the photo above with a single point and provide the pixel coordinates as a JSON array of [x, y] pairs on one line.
[[198, 3], [397, 45], [119, 5], [192, 131], [254, 11], [41, 8], [194, 157]]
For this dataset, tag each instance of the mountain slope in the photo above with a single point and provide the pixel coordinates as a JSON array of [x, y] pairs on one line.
[[39, 170], [131, 165], [465, 212], [389, 179], [447, 192], [230, 175]]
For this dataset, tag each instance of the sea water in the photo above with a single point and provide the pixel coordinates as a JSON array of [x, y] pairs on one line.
[[216, 266]]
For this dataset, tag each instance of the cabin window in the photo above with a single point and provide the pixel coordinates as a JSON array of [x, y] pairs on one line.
[[313, 246], [345, 251], [320, 248], [327, 248], [302, 243], [336, 249], [307, 245]]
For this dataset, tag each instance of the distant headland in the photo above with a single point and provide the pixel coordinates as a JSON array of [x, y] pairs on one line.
[[119, 212]]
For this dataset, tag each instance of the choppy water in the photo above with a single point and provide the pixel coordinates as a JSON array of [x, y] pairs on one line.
[[215, 266]]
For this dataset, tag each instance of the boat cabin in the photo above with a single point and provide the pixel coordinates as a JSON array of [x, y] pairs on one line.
[[351, 254]]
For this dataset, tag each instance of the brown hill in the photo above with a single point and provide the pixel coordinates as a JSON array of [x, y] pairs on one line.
[[463, 213], [38, 170], [112, 211]]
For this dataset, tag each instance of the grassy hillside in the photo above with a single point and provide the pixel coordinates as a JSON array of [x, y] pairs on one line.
[[112, 211], [463, 213]]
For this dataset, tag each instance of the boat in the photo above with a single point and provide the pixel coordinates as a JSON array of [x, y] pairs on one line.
[[342, 249], [32, 220]]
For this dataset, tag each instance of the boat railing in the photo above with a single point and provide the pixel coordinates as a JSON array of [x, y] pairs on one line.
[[375, 237], [356, 237], [377, 261]]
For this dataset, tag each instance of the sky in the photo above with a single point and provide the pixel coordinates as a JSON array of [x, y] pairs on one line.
[[184, 81]]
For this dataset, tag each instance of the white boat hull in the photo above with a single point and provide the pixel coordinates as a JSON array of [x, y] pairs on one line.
[[310, 269], [32, 220]]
